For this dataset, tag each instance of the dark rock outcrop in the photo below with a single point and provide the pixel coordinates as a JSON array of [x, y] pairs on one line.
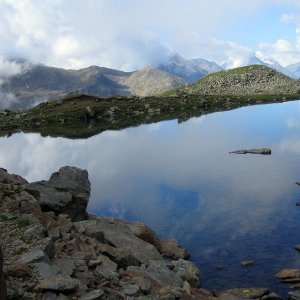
[[263, 151], [66, 192]]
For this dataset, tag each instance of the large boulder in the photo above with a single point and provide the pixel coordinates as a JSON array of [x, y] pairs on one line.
[[2, 280], [66, 192]]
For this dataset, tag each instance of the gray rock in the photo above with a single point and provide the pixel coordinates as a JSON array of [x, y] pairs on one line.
[[263, 151], [66, 192], [171, 249], [49, 296], [58, 283], [120, 236], [93, 295], [65, 265], [34, 255], [131, 290], [295, 295], [107, 269], [45, 270], [187, 272]]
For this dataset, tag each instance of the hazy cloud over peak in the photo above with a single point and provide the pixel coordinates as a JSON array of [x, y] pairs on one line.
[[131, 34]]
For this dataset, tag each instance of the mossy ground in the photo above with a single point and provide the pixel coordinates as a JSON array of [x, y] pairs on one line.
[[81, 116]]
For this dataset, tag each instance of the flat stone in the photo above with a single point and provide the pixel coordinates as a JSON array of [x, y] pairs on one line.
[[45, 270], [34, 255], [288, 273], [263, 151], [120, 236], [247, 263], [143, 283], [58, 283], [244, 293], [130, 290], [93, 295]]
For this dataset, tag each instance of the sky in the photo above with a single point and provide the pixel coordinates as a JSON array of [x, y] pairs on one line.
[[130, 34]]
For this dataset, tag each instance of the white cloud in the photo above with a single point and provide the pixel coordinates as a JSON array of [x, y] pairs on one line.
[[126, 34], [287, 18]]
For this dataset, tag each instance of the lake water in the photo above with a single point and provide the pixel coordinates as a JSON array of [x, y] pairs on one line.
[[181, 180]]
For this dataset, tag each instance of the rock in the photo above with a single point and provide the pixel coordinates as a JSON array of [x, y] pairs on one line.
[[271, 296], [58, 283], [34, 255], [298, 203], [130, 290], [145, 233], [295, 295], [187, 272], [263, 151], [19, 269], [2, 280], [288, 273], [110, 231], [297, 247], [49, 296], [66, 192], [246, 263], [107, 269], [93, 295], [171, 249], [45, 270], [65, 265], [143, 283], [244, 293]]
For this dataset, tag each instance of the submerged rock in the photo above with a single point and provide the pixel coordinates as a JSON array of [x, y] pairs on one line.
[[263, 151]]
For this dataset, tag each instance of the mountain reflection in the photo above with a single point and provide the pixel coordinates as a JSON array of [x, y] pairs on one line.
[[181, 180]]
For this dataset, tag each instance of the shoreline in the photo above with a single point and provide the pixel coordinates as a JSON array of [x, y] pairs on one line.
[[54, 248], [82, 116]]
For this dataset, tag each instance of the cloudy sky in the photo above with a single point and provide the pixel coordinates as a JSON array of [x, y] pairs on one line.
[[129, 34]]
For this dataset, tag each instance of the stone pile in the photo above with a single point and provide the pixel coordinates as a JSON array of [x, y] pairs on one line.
[[54, 250]]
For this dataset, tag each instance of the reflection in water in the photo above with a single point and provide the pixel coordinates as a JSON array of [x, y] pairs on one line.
[[181, 180]]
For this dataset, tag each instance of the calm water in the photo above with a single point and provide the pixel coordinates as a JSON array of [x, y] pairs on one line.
[[180, 180]]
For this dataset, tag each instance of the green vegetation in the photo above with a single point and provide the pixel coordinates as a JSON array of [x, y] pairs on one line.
[[82, 116]]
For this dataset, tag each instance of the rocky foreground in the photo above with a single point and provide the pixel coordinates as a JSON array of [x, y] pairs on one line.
[[53, 249]]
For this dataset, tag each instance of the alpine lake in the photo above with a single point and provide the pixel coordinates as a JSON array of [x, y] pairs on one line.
[[179, 179]]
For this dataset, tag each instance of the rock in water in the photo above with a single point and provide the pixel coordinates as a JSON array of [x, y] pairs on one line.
[[263, 151], [2, 280], [66, 192]]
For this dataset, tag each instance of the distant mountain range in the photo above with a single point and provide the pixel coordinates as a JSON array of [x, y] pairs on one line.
[[39, 82]]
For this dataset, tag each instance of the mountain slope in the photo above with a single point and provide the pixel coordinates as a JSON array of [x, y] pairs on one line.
[[149, 81], [189, 69], [295, 68], [40, 83], [250, 80]]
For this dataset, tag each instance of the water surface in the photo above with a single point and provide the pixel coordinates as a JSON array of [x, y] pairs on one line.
[[181, 180]]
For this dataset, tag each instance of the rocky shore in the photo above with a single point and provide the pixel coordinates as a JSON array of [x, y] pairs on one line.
[[54, 250]]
